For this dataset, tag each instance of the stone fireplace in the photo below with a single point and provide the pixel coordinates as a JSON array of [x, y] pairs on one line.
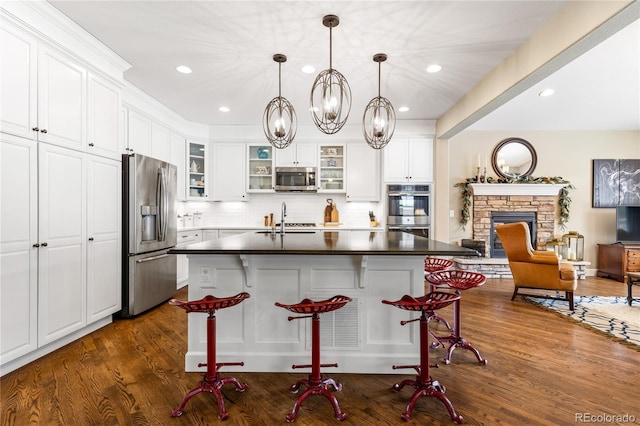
[[538, 201]]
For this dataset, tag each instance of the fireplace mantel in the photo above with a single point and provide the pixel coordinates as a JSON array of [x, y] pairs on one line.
[[517, 188]]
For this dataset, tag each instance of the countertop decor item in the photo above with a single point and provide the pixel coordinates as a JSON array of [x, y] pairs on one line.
[[279, 121], [327, 210], [379, 119], [335, 215]]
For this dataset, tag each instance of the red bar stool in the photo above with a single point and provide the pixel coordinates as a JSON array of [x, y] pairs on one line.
[[436, 264], [315, 384], [211, 382], [424, 385], [457, 280]]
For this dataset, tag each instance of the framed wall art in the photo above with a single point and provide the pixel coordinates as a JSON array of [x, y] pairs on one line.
[[616, 183]]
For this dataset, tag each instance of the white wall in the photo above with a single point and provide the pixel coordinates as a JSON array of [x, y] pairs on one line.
[[568, 154]]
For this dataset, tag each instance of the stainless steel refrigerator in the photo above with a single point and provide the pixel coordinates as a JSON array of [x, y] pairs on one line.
[[149, 223]]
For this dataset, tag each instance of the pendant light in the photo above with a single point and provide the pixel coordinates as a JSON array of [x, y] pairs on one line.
[[279, 120], [330, 94], [379, 119]]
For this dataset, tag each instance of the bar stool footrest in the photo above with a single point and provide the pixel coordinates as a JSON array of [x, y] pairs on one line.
[[228, 364]]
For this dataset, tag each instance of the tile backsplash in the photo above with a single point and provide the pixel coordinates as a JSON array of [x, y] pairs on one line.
[[308, 208]]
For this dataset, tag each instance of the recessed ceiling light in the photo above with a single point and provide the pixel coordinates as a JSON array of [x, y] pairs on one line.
[[183, 69], [546, 92], [308, 69], [403, 109], [224, 109], [434, 68]]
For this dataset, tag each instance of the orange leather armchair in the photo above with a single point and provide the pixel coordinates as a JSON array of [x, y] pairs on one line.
[[535, 269]]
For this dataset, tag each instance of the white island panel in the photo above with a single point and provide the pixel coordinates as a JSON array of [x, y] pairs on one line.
[[365, 336]]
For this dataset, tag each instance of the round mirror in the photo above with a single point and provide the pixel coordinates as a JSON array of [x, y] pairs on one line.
[[514, 158]]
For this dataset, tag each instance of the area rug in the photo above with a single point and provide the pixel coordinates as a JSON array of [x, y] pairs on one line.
[[610, 315]]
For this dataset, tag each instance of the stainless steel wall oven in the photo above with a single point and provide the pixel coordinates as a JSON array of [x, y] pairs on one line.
[[408, 208]]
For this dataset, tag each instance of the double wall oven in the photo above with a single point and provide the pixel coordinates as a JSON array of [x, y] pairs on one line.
[[408, 208]]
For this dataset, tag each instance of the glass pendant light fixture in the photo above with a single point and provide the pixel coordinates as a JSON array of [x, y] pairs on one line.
[[330, 94], [279, 121], [379, 119]]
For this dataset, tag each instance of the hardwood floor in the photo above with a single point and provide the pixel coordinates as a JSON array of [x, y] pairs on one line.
[[543, 369]]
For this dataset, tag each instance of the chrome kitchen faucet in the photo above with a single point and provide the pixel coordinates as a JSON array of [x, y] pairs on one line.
[[283, 214]]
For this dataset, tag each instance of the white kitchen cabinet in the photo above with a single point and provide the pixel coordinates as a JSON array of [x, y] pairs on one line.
[[362, 173], [260, 168], [62, 238], [18, 82], [182, 261], [55, 276], [228, 172], [209, 234], [160, 142], [18, 259], [178, 158], [104, 294], [297, 155], [138, 133], [103, 106], [331, 174], [62, 89], [198, 170], [49, 97], [43, 92], [409, 160]]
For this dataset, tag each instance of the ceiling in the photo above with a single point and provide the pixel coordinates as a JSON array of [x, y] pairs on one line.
[[229, 46]]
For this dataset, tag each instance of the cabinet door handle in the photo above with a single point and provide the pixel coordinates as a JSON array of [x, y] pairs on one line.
[[90, 144], [36, 245], [43, 131], [44, 244], [90, 238], [36, 129]]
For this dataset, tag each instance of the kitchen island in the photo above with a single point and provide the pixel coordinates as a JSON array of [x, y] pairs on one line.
[[364, 336]]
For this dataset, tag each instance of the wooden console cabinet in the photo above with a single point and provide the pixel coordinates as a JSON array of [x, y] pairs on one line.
[[615, 260]]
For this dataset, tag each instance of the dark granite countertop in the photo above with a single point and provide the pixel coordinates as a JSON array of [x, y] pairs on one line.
[[325, 243]]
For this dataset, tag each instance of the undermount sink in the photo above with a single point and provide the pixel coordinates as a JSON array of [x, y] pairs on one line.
[[295, 231]]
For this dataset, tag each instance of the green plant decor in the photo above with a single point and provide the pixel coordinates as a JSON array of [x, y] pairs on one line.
[[564, 201]]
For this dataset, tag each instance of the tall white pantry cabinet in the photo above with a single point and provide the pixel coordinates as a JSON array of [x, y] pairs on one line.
[[60, 196]]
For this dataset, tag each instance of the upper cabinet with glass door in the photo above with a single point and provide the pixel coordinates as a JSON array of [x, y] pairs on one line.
[[332, 163], [260, 168], [197, 166]]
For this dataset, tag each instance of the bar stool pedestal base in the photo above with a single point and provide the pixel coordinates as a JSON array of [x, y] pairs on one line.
[[316, 389], [430, 388]]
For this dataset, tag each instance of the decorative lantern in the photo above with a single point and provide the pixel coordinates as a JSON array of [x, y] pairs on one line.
[[574, 243], [558, 246]]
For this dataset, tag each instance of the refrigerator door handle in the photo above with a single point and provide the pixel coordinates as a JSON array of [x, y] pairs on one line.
[[149, 259], [163, 205]]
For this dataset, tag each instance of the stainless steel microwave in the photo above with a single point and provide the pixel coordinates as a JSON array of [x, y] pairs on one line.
[[296, 179]]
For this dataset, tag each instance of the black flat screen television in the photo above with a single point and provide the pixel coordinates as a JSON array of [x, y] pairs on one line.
[[628, 224]]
